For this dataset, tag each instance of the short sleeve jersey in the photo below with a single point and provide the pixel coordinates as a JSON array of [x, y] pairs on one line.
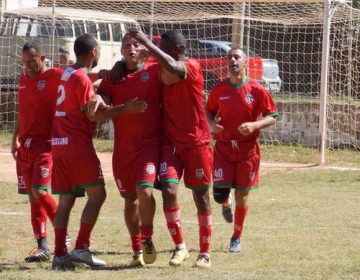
[[185, 123], [37, 103], [135, 130], [72, 130], [238, 104]]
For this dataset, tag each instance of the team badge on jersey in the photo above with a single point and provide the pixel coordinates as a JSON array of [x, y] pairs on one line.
[[249, 98], [145, 76], [150, 169], [200, 173], [44, 172], [41, 85]]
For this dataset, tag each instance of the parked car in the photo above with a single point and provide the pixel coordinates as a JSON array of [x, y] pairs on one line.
[[212, 57]]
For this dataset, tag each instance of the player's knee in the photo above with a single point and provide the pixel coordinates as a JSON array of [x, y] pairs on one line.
[[97, 195], [169, 191], [221, 194]]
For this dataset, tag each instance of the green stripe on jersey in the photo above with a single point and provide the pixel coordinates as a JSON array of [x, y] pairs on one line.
[[170, 181], [238, 86], [97, 184], [247, 189], [144, 184], [273, 115]]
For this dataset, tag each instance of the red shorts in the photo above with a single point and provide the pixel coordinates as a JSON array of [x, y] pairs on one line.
[[195, 162], [132, 169], [236, 165], [34, 166], [73, 175]]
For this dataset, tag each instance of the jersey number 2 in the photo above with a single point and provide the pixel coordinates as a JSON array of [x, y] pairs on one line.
[[60, 100]]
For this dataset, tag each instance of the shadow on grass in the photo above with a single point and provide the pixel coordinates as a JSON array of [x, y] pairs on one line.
[[14, 266]]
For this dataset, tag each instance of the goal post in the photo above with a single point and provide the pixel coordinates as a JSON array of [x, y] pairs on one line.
[[309, 62]]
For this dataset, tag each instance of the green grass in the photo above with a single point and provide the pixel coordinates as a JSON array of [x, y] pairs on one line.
[[303, 224]]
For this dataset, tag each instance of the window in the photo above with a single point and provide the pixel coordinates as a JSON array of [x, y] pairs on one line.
[[104, 32], [33, 28], [3, 26], [44, 28], [91, 28], [116, 32], [20, 27], [63, 28], [79, 28]]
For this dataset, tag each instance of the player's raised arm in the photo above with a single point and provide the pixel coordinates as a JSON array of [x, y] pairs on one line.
[[167, 55]]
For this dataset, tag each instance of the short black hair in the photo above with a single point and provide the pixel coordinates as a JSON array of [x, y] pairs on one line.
[[32, 45], [244, 52], [84, 44], [175, 37]]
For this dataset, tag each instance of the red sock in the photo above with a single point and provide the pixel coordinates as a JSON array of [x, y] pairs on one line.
[[240, 216], [146, 232], [50, 206], [38, 220], [83, 239], [172, 216], [60, 246], [136, 242], [205, 223]]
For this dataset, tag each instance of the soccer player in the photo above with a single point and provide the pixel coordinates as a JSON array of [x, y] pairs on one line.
[[136, 148], [64, 58], [234, 111], [76, 168], [31, 143], [186, 145]]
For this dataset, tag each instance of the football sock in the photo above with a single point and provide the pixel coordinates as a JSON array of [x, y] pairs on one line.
[[205, 223], [49, 205], [136, 242], [146, 232], [60, 245], [38, 220], [240, 216], [172, 216], [83, 239]]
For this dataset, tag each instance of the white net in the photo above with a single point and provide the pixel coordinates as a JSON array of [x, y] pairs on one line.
[[283, 39]]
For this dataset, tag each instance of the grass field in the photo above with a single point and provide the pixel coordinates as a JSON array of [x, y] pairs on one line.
[[303, 224]]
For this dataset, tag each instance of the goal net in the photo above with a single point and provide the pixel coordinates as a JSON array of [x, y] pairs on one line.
[[283, 40]]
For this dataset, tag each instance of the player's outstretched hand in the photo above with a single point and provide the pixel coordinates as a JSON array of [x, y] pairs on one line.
[[135, 106], [96, 103]]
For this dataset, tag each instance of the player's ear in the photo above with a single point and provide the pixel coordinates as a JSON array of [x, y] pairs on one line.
[[42, 58]]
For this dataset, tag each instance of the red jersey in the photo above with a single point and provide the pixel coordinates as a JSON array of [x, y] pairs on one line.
[[185, 121], [37, 103], [132, 131], [238, 104], [72, 130]]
